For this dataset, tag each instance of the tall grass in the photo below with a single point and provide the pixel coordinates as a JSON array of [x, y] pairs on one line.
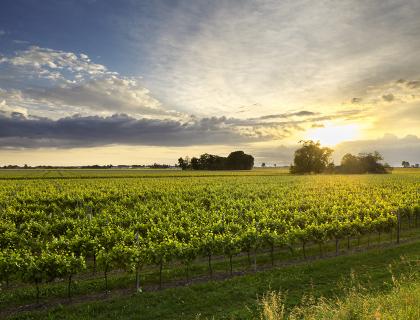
[[401, 302]]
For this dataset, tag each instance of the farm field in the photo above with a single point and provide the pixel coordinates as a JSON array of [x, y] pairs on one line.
[[77, 233], [29, 174]]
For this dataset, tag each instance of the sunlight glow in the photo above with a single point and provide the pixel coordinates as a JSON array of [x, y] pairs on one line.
[[331, 134]]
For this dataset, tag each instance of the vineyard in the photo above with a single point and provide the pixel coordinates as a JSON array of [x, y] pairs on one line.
[[60, 226]]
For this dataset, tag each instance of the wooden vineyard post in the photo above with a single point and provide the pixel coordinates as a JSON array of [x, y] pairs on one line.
[[398, 227]]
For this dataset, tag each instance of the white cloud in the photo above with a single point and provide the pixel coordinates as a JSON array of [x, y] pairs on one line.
[[55, 64], [57, 83], [7, 107], [109, 93], [8, 110]]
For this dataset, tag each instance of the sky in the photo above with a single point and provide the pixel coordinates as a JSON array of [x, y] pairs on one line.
[[137, 82]]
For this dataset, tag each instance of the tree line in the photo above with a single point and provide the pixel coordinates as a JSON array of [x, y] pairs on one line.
[[237, 160], [406, 164], [313, 158]]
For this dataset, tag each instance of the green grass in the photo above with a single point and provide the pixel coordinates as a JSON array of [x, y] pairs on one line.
[[237, 298], [401, 302]]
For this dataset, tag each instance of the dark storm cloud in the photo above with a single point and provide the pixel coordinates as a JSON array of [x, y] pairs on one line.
[[21, 132]]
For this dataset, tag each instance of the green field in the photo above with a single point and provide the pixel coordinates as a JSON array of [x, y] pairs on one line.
[[13, 174], [81, 233]]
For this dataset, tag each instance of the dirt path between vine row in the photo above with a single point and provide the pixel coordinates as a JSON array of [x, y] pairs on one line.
[[126, 292]]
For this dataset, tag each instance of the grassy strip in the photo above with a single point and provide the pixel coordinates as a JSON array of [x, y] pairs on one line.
[[237, 297], [401, 302]]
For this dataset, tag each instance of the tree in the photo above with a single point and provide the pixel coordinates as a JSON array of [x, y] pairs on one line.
[[236, 160], [405, 164], [351, 164], [311, 158], [239, 160], [195, 163], [263, 165], [370, 162], [208, 162], [364, 163], [184, 163]]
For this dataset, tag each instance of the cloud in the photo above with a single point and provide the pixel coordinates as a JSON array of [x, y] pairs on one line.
[[348, 115], [414, 84], [287, 115], [2, 32], [7, 110], [110, 93], [400, 91], [388, 97], [66, 82], [52, 64], [18, 131], [216, 58]]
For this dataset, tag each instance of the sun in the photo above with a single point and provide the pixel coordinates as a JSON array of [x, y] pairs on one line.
[[333, 134]]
